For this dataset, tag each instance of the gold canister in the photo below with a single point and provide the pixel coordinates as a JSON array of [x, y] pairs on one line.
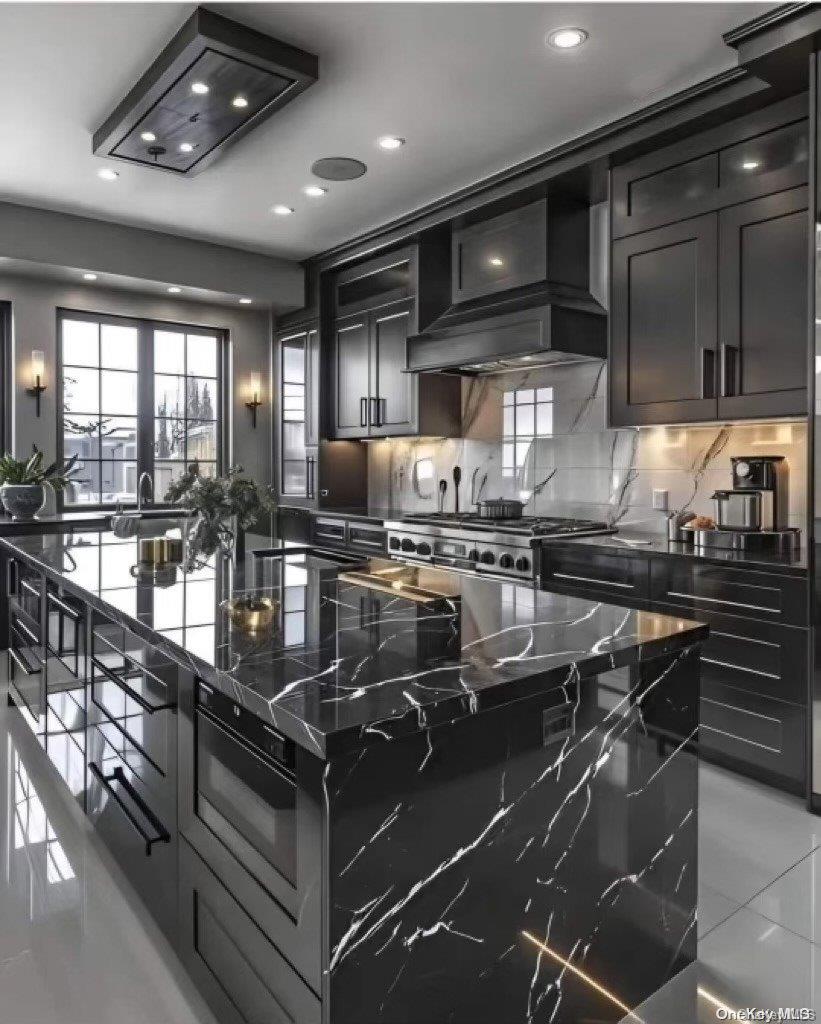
[[251, 614], [160, 551]]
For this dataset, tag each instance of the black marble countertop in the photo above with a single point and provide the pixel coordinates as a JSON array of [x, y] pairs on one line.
[[46, 523], [359, 650], [653, 544], [370, 513]]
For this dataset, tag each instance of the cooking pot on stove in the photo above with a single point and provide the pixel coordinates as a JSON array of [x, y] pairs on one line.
[[500, 508]]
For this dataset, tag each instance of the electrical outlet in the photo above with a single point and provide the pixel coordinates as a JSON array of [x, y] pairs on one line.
[[660, 499]]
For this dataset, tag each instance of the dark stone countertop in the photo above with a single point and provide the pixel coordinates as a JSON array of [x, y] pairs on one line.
[[654, 544], [373, 514], [353, 659], [51, 522]]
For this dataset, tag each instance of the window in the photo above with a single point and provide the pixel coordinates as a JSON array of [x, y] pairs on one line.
[[137, 397], [293, 414], [527, 413]]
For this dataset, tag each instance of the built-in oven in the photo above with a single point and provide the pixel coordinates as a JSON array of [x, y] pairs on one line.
[[247, 811]]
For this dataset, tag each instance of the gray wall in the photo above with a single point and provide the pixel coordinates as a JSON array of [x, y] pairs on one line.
[[65, 240], [34, 305]]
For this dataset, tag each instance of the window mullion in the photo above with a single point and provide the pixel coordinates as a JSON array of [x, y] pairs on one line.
[[145, 403]]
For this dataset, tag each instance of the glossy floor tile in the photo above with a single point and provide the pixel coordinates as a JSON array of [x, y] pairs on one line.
[[74, 949]]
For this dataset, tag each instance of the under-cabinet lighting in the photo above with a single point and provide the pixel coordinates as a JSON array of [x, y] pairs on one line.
[[174, 289], [496, 261], [245, 301], [750, 165], [89, 277], [240, 102]]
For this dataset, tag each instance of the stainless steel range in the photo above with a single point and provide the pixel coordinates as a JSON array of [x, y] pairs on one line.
[[473, 543]]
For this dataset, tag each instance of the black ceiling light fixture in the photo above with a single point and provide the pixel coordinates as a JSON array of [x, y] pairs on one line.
[[213, 83]]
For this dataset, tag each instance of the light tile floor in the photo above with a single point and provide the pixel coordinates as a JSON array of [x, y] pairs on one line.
[[76, 948]]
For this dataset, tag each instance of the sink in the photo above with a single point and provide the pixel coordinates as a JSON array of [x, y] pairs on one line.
[[147, 522]]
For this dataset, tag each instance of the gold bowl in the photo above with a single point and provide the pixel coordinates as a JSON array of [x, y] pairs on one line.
[[251, 614], [160, 551]]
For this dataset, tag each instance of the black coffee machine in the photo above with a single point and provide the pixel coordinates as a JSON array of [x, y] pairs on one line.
[[760, 494]]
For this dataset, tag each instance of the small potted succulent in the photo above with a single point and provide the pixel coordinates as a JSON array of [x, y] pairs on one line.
[[22, 482]]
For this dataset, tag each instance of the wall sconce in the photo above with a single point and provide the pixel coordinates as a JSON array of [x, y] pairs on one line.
[[255, 401], [38, 366]]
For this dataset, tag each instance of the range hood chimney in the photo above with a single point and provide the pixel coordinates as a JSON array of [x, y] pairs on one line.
[[520, 287]]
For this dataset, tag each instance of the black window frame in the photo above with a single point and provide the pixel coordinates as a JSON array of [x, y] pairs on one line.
[[6, 378], [145, 393]]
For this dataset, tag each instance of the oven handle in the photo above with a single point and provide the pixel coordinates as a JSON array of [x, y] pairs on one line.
[[135, 695], [118, 775], [249, 748]]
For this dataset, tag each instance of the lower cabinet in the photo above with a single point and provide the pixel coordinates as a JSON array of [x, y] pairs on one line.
[[237, 969]]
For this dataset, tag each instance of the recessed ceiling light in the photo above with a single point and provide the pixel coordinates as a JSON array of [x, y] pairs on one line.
[[89, 277], [281, 210], [239, 102], [315, 191], [186, 147], [174, 289], [246, 302], [750, 165], [496, 261], [148, 137], [107, 174], [200, 88], [567, 38], [391, 142]]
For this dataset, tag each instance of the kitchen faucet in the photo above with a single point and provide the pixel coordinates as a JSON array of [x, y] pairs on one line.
[[143, 477]]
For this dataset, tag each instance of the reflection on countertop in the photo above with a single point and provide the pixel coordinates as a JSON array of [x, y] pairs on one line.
[[345, 661]]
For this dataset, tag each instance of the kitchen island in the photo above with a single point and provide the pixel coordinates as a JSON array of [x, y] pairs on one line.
[[411, 796]]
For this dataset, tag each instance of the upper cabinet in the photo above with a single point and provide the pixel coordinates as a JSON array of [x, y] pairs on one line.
[[297, 375], [756, 155], [378, 305], [708, 312]]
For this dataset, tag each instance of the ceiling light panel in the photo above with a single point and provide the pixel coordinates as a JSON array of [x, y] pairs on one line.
[[188, 96]]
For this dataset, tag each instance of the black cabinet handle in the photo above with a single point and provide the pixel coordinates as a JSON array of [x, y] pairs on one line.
[[708, 373], [363, 412], [135, 695], [730, 371], [381, 411], [118, 775]]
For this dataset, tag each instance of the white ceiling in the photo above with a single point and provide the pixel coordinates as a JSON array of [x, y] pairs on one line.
[[471, 87]]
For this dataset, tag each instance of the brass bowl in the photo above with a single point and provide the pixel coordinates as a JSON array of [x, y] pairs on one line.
[[251, 614], [157, 551]]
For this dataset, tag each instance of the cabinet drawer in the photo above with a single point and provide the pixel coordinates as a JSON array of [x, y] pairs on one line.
[[294, 524], [582, 570], [241, 974], [370, 540], [328, 532], [766, 737], [754, 656], [138, 829], [716, 588]]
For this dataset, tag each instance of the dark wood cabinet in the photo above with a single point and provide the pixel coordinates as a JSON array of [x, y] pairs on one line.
[[374, 395], [763, 307], [663, 331]]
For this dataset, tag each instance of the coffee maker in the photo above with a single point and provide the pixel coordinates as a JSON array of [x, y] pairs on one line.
[[759, 498]]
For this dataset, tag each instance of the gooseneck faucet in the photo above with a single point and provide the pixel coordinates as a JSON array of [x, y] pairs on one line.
[[143, 477]]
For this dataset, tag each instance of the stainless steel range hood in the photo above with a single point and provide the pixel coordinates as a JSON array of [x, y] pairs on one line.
[[553, 319]]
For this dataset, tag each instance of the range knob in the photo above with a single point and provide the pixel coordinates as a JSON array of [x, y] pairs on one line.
[[523, 564], [423, 548], [394, 544], [408, 545], [473, 554], [506, 561], [487, 557]]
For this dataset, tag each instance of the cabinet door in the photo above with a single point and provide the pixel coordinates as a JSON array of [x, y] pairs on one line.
[[312, 388], [392, 406], [293, 417], [351, 382], [763, 303], [664, 324]]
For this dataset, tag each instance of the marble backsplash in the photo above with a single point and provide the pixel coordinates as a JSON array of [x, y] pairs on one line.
[[581, 469]]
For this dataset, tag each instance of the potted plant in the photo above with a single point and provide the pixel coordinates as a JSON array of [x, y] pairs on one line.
[[218, 503], [21, 482]]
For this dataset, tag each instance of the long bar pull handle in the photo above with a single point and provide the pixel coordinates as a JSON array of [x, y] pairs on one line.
[[118, 775], [135, 695], [373, 412], [363, 412], [730, 371], [708, 373]]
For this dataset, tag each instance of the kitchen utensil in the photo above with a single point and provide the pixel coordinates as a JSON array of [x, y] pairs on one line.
[[457, 479], [738, 510], [500, 508], [443, 487]]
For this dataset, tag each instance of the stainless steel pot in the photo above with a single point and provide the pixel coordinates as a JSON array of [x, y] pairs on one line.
[[738, 510], [500, 508]]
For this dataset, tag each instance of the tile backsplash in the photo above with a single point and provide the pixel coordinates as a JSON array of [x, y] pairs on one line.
[[581, 468]]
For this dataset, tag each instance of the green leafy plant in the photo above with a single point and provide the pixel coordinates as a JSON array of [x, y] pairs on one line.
[[218, 500], [31, 471]]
